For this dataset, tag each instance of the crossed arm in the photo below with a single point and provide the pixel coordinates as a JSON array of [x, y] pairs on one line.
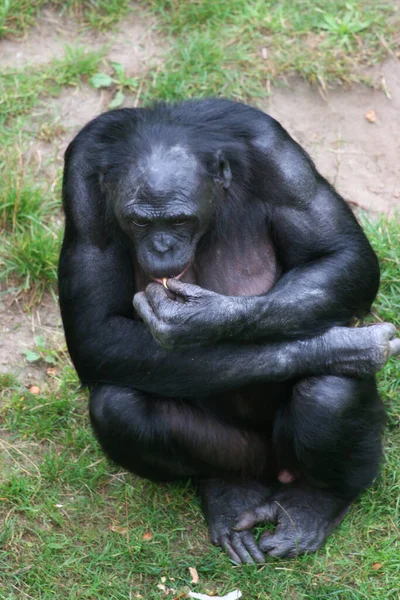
[[330, 274], [107, 345]]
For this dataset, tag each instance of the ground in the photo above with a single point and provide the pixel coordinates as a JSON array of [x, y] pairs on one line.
[[100, 533]]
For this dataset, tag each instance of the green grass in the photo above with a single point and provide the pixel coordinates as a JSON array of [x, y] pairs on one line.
[[21, 90], [31, 256], [235, 47], [30, 236], [16, 16], [21, 197], [75, 527]]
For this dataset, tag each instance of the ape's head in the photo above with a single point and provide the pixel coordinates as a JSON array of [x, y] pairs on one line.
[[166, 202]]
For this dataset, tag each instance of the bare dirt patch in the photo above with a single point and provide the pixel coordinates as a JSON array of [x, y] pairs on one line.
[[18, 329], [44, 42], [361, 158], [135, 44]]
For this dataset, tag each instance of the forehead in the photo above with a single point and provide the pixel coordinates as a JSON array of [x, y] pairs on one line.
[[166, 169]]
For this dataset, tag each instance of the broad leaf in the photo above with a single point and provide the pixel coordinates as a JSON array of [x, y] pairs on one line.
[[117, 100], [31, 356], [100, 80]]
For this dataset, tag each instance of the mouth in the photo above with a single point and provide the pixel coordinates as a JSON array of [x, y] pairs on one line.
[[163, 280]]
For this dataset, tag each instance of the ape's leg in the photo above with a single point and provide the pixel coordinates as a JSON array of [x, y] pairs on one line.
[[164, 438], [332, 427]]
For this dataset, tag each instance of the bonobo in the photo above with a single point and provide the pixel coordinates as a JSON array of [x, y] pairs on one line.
[[207, 279]]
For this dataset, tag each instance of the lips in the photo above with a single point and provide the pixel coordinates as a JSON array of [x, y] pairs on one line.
[[161, 280]]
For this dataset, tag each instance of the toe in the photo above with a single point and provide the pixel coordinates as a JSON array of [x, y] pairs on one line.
[[252, 547], [240, 549], [226, 545], [394, 347], [388, 329], [261, 514], [283, 550]]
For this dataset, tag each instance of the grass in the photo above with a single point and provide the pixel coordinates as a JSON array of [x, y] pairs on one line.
[[236, 47], [73, 526], [16, 16], [31, 235], [21, 90], [30, 240]]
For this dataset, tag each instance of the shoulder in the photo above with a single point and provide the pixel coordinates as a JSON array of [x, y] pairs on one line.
[[100, 132]]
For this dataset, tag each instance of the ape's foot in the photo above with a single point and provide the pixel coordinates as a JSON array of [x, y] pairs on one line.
[[304, 517], [223, 503]]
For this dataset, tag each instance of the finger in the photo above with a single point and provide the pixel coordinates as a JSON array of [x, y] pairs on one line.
[[240, 549], [266, 512], [186, 290], [143, 308], [214, 539], [156, 295], [252, 548], [226, 545]]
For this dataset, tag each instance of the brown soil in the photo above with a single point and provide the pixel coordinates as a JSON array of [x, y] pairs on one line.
[[18, 329], [359, 157]]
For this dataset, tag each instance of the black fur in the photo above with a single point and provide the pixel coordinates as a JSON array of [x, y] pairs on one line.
[[236, 391]]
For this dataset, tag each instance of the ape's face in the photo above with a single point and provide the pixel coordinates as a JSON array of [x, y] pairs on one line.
[[165, 205]]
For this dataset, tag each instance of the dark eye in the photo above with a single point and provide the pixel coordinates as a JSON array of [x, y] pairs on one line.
[[140, 223], [179, 222]]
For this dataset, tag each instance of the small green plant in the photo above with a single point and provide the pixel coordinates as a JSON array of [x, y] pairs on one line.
[[41, 352], [119, 82], [345, 28]]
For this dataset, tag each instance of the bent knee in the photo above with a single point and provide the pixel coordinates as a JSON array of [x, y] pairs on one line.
[[114, 409], [116, 417], [335, 395], [99, 396]]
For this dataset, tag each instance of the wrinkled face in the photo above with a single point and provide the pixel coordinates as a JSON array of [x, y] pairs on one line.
[[165, 205]]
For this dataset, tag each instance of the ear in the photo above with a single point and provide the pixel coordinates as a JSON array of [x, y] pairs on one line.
[[223, 170]]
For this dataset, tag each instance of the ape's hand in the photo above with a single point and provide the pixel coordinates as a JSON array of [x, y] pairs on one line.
[[200, 317]]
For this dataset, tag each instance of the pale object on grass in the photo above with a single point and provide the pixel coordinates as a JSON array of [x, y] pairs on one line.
[[194, 574], [235, 595]]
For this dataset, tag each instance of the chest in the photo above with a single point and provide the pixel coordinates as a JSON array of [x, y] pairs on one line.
[[236, 267]]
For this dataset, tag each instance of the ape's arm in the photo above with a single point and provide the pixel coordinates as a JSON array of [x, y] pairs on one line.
[[107, 345], [329, 271]]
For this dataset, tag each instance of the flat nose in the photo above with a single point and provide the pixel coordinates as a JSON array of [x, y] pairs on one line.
[[162, 243]]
